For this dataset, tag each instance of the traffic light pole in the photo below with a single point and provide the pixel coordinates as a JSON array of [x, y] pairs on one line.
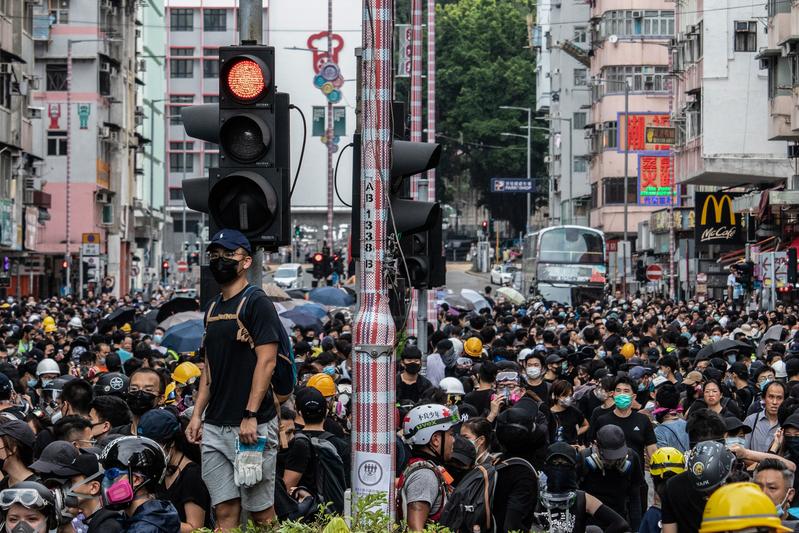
[[374, 371]]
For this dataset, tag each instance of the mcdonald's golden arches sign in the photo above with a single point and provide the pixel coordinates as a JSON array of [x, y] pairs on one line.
[[715, 220]]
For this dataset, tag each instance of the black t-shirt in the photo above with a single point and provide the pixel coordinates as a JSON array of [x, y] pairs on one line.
[[588, 403], [638, 430], [233, 362], [617, 489], [32, 477], [569, 419], [189, 487], [599, 411], [744, 396], [516, 489], [414, 391], [682, 504], [480, 399]]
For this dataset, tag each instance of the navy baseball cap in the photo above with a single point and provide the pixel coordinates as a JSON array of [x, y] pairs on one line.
[[230, 239], [159, 425]]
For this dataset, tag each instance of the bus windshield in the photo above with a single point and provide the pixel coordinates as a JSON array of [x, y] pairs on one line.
[[571, 245]]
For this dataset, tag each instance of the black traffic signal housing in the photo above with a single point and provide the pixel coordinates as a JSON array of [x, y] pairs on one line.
[[164, 270], [250, 191], [640, 271], [792, 270], [193, 259], [319, 261], [745, 273]]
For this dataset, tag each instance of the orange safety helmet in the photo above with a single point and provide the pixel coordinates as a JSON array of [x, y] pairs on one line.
[[323, 383], [473, 347], [628, 350]]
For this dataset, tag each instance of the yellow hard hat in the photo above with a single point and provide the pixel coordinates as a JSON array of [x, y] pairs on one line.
[[667, 459], [740, 506], [628, 350], [50, 328], [473, 347], [126, 327], [186, 373], [169, 394], [324, 384], [48, 321]]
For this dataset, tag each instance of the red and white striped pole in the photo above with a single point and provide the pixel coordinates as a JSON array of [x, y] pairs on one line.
[[432, 315], [329, 134], [373, 432]]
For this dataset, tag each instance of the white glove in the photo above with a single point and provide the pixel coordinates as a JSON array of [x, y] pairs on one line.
[[248, 468]]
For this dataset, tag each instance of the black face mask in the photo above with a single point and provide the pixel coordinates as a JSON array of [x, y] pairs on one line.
[[560, 478], [140, 402], [792, 445], [412, 368], [224, 270]]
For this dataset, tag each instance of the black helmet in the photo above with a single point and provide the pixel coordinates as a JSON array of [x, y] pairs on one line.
[[111, 384], [138, 455], [709, 463], [515, 429], [46, 497]]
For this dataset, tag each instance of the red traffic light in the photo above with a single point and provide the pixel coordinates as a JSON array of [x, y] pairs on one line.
[[317, 257], [485, 224], [64, 264], [245, 79], [165, 265]]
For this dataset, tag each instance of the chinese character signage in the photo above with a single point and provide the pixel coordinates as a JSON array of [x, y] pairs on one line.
[[511, 185], [715, 220], [637, 136], [319, 125], [654, 180]]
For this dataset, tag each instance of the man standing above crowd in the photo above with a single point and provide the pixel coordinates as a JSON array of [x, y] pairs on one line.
[[235, 390]]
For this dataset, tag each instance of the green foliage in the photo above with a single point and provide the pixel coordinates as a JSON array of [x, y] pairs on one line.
[[367, 517], [484, 61]]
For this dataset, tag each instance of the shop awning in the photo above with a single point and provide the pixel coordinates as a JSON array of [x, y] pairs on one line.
[[769, 244]]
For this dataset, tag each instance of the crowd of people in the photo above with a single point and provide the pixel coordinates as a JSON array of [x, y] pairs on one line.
[[641, 415]]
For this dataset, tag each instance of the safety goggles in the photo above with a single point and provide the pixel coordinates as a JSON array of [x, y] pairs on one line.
[[29, 498], [504, 377], [112, 473]]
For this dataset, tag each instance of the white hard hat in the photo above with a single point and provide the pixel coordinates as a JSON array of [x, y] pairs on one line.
[[452, 386], [47, 366], [422, 422], [779, 369], [75, 322], [523, 354]]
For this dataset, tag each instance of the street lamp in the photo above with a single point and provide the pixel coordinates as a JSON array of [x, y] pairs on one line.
[[528, 136], [571, 174]]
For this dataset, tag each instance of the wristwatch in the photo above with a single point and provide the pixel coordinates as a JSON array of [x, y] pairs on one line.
[[249, 414]]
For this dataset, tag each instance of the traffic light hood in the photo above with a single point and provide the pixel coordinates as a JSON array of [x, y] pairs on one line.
[[411, 216], [201, 121], [409, 158]]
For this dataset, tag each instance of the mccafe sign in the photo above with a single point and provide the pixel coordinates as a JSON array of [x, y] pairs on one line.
[[715, 220]]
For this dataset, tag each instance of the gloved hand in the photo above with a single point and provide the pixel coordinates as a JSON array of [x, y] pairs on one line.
[[248, 466]]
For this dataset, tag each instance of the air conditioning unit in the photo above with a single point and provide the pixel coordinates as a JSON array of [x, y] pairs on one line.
[[142, 65], [638, 14], [547, 159], [5, 68], [741, 25], [793, 151], [102, 197], [105, 132]]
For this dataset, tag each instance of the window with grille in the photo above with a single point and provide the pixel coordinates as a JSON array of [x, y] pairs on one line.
[[211, 99], [56, 143], [613, 190], [642, 78], [594, 195], [579, 164], [5, 90], [181, 68], [580, 77], [638, 23], [181, 20], [580, 34], [211, 160], [214, 20], [578, 120], [175, 193], [745, 36], [181, 162], [56, 76], [211, 52], [610, 134]]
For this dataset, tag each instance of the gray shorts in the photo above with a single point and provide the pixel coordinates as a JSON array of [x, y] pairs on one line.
[[219, 453]]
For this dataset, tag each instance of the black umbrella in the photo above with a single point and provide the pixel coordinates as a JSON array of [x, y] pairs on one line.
[[719, 347], [147, 323], [176, 305], [121, 316]]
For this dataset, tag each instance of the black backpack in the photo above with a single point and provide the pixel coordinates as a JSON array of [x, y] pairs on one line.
[[331, 479], [471, 503]]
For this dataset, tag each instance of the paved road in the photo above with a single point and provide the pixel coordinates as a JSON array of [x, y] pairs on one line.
[[458, 277]]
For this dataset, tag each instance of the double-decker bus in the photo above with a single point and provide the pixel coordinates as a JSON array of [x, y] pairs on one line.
[[565, 264]]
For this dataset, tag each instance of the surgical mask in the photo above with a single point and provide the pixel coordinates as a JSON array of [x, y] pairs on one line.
[[158, 338], [412, 368], [623, 401], [564, 367], [600, 393], [642, 387], [124, 355], [602, 354], [764, 384], [46, 383], [715, 338], [661, 374], [792, 445], [729, 382], [56, 416], [32, 383], [730, 441], [140, 402], [533, 372], [224, 270], [329, 370], [566, 402]]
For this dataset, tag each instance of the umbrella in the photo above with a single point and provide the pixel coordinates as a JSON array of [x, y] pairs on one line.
[[303, 320], [121, 316], [275, 293], [511, 295], [185, 337], [176, 305], [459, 302], [774, 333], [717, 348], [297, 294], [476, 298], [314, 309], [287, 324], [147, 323], [331, 296], [180, 318]]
